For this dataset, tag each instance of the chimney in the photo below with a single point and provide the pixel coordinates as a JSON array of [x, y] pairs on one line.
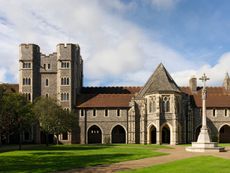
[[226, 83], [193, 84]]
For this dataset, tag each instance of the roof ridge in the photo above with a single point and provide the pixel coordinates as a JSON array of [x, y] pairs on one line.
[[160, 80]]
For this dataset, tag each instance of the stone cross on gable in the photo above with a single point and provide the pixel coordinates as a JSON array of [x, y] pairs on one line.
[[204, 78]]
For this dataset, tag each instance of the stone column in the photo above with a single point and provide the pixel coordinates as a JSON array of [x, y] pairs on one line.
[[158, 124], [173, 140], [204, 136]]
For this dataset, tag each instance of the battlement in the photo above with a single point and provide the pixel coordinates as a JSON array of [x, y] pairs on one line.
[[67, 45], [29, 46], [48, 55]]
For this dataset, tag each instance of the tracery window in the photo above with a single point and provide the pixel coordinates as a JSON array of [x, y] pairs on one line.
[[26, 81], [64, 96], [166, 103], [65, 81], [152, 104], [26, 65]]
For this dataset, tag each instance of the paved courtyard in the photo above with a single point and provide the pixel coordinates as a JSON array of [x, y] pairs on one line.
[[177, 153]]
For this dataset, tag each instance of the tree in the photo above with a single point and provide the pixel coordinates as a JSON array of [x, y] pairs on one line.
[[16, 114], [52, 118], [2, 92]]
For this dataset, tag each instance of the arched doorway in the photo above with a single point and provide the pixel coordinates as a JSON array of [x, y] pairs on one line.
[[44, 137], [166, 134], [94, 135], [118, 134], [224, 134], [197, 132], [153, 135]]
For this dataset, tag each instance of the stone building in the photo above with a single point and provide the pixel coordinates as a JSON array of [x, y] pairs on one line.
[[158, 112]]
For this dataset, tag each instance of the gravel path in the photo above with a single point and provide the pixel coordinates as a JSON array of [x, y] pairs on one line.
[[174, 154]]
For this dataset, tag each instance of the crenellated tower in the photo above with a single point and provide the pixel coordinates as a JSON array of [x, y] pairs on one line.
[[29, 71], [69, 74]]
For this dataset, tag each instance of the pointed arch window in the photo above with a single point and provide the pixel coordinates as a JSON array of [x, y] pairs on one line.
[[166, 103], [152, 105]]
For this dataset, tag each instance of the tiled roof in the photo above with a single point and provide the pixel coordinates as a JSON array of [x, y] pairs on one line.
[[159, 81], [101, 97], [217, 97]]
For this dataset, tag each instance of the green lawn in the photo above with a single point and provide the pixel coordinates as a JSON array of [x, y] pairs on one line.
[[64, 157], [201, 164]]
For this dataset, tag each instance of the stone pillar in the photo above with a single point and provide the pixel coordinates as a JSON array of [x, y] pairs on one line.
[[203, 143], [204, 136], [173, 140], [158, 124], [158, 132]]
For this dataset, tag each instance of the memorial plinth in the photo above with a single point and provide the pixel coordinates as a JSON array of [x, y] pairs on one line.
[[204, 143]]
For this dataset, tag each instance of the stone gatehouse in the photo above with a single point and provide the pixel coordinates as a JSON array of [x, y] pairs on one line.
[[158, 112]]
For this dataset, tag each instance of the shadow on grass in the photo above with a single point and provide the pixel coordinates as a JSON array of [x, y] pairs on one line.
[[49, 162], [52, 147]]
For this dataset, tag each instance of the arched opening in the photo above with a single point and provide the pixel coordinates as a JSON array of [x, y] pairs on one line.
[[166, 134], [118, 134], [94, 135], [197, 132], [44, 137], [224, 134], [153, 135]]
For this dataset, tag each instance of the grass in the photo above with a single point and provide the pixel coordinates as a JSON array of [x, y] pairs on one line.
[[201, 164], [41, 159], [224, 144]]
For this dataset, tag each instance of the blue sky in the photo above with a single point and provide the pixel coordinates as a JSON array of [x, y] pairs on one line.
[[122, 41]]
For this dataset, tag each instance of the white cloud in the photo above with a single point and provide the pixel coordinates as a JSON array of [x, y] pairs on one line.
[[216, 73], [115, 51], [163, 4], [2, 75]]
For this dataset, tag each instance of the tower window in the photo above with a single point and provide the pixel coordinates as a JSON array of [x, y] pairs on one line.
[[64, 96], [47, 82], [26, 81], [47, 95], [66, 109], [65, 81], [26, 65], [65, 64], [48, 66], [94, 112], [28, 96]]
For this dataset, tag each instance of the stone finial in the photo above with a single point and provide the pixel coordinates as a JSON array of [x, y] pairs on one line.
[[226, 83], [193, 84]]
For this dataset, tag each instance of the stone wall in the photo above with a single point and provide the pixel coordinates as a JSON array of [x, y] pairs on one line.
[[90, 117]]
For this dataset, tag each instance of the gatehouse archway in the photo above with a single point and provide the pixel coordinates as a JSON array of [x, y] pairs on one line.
[[94, 135], [224, 134], [165, 138], [153, 135], [118, 135]]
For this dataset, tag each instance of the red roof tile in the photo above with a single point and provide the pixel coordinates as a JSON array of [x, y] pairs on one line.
[[106, 97], [100, 97], [216, 97]]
